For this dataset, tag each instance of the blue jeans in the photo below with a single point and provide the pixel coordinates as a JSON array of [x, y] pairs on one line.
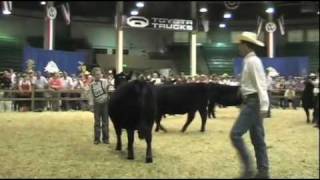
[[250, 120], [101, 121]]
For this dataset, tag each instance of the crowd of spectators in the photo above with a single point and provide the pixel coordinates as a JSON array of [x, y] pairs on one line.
[[288, 89]]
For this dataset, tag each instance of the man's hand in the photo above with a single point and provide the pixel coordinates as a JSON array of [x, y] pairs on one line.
[[263, 114], [91, 108]]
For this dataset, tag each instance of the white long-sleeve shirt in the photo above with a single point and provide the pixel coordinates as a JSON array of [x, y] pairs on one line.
[[253, 79]]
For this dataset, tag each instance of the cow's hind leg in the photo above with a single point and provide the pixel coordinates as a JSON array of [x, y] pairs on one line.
[[307, 113], [211, 110], [203, 113], [158, 125], [313, 116], [189, 120], [149, 149], [130, 134]]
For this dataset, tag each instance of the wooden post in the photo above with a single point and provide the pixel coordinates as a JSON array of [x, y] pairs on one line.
[[32, 98]]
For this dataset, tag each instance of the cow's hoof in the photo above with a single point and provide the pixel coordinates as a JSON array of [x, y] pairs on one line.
[[130, 157], [149, 160], [202, 130], [118, 148]]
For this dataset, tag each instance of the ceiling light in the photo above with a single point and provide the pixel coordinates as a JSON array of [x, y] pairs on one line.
[[222, 25], [140, 4], [43, 3], [227, 15], [6, 12], [270, 10], [6, 7], [134, 12], [203, 10]]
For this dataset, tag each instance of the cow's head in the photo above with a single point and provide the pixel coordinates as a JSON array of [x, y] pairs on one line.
[[120, 78]]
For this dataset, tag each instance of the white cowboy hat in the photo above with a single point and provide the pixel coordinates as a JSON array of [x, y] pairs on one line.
[[250, 37], [312, 74]]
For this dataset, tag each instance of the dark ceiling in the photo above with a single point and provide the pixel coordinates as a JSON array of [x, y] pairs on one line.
[[247, 10]]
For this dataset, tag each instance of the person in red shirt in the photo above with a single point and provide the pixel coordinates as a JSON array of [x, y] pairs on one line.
[[25, 92], [55, 84]]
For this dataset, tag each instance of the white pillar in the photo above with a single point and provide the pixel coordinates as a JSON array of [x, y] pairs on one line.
[[193, 42], [193, 54], [270, 45], [49, 30], [270, 39], [119, 51]]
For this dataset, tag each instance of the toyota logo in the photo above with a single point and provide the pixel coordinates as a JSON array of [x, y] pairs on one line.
[[231, 4], [52, 13], [271, 27], [137, 21]]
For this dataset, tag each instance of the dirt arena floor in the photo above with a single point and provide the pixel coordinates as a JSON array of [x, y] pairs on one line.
[[60, 145]]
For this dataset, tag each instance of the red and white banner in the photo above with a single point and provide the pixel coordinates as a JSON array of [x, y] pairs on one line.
[[281, 25], [7, 6], [260, 24], [66, 13]]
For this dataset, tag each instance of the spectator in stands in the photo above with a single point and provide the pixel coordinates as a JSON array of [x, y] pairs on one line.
[[76, 85], [55, 84], [67, 85], [155, 77], [190, 79], [201, 78], [86, 82], [25, 88], [13, 77], [271, 73], [40, 84], [289, 97], [5, 84], [224, 79]]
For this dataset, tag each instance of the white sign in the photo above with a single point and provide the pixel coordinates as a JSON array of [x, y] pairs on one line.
[[51, 67], [271, 27], [172, 24], [52, 13], [159, 23]]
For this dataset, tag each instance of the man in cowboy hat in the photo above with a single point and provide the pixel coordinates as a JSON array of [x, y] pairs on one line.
[[254, 108]]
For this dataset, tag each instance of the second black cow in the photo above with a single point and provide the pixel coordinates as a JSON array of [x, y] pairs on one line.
[[224, 95], [180, 99]]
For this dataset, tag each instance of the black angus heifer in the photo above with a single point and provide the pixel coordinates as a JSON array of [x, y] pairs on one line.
[[180, 99], [132, 107], [120, 78], [308, 99], [224, 95]]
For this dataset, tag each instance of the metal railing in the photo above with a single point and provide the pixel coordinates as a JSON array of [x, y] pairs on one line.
[[33, 99], [33, 92]]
